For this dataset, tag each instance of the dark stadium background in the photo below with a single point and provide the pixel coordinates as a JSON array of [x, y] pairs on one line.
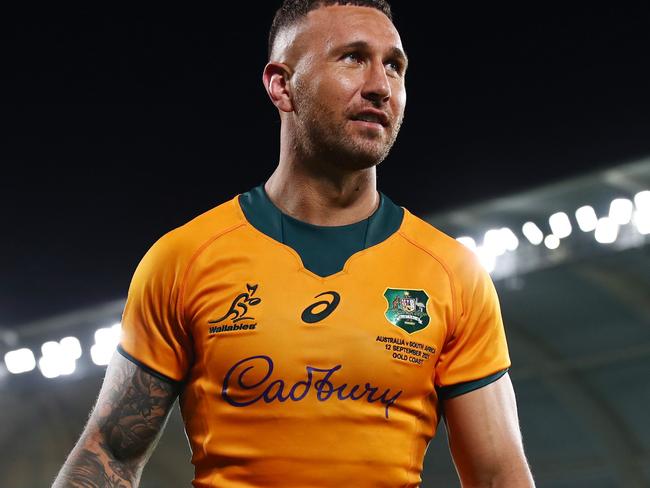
[[120, 125]]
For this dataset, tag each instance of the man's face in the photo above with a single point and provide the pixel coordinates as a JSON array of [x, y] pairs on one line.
[[348, 85]]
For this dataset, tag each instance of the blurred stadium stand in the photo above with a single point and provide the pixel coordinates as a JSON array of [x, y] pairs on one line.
[[578, 324]]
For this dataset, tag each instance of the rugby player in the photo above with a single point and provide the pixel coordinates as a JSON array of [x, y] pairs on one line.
[[316, 332]]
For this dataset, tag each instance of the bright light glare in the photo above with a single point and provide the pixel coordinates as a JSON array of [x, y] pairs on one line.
[[71, 347], [20, 361], [606, 230], [48, 367], [106, 340], [560, 225], [493, 242], [642, 201], [533, 233], [486, 258], [620, 210], [467, 242], [510, 240], [587, 218], [58, 359], [642, 221], [49, 362], [552, 241], [50, 348]]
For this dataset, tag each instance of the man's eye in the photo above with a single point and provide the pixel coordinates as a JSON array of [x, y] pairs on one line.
[[395, 66], [352, 56]]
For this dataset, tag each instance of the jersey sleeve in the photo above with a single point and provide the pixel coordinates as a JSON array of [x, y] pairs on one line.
[[153, 335], [475, 353]]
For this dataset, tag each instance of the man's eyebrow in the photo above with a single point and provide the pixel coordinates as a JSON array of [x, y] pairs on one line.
[[395, 51], [401, 55]]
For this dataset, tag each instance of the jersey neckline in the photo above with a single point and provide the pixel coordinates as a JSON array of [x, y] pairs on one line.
[[262, 214]]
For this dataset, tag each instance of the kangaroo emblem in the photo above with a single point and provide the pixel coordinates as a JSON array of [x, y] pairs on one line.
[[239, 307]]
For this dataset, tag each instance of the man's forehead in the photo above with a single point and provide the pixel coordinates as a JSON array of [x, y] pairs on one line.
[[338, 25], [346, 16]]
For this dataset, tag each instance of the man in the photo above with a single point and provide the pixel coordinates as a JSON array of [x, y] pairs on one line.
[[314, 330]]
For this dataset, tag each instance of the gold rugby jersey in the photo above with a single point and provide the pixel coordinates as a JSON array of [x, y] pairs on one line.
[[311, 356]]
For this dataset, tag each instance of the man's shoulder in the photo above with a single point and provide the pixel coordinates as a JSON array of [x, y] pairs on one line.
[[212, 222], [451, 254], [422, 234], [184, 241]]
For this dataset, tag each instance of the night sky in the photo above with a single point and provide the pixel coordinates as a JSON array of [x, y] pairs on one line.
[[119, 126]]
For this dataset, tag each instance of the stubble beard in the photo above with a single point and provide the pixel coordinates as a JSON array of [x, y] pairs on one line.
[[323, 134]]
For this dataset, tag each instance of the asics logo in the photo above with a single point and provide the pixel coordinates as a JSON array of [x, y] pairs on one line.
[[310, 316]]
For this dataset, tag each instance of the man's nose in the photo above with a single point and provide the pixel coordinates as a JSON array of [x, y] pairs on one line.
[[376, 87]]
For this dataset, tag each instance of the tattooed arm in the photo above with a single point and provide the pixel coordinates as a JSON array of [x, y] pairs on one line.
[[122, 431]]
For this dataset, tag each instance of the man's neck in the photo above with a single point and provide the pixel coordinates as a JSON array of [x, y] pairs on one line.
[[323, 199]]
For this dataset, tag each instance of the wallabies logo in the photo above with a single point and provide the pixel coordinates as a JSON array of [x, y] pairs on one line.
[[239, 307]]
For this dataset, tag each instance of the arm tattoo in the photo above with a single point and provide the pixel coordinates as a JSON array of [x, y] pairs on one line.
[[134, 412], [130, 413], [88, 471]]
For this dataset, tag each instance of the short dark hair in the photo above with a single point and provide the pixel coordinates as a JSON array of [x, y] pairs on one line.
[[292, 11]]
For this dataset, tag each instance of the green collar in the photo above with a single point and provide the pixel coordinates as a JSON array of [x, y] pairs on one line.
[[323, 250]]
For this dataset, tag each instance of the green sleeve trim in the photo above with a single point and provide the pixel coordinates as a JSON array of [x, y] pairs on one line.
[[451, 391], [146, 368]]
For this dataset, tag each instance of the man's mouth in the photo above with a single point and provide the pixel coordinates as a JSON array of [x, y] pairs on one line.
[[372, 118]]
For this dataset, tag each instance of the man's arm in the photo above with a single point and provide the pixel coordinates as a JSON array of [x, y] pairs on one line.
[[484, 438], [122, 431]]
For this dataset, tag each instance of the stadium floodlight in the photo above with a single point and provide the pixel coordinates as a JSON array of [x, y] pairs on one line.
[[106, 340], [533, 233], [552, 241], [67, 366], [20, 361], [56, 359], [560, 225], [510, 240], [642, 201], [487, 258], [642, 221], [620, 210], [494, 243], [587, 218], [71, 347], [49, 362], [606, 230], [48, 367], [467, 242]]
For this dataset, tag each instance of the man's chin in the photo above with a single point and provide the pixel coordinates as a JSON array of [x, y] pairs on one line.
[[362, 158], [355, 151], [374, 151]]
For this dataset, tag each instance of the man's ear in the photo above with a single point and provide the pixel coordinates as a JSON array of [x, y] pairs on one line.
[[276, 81]]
